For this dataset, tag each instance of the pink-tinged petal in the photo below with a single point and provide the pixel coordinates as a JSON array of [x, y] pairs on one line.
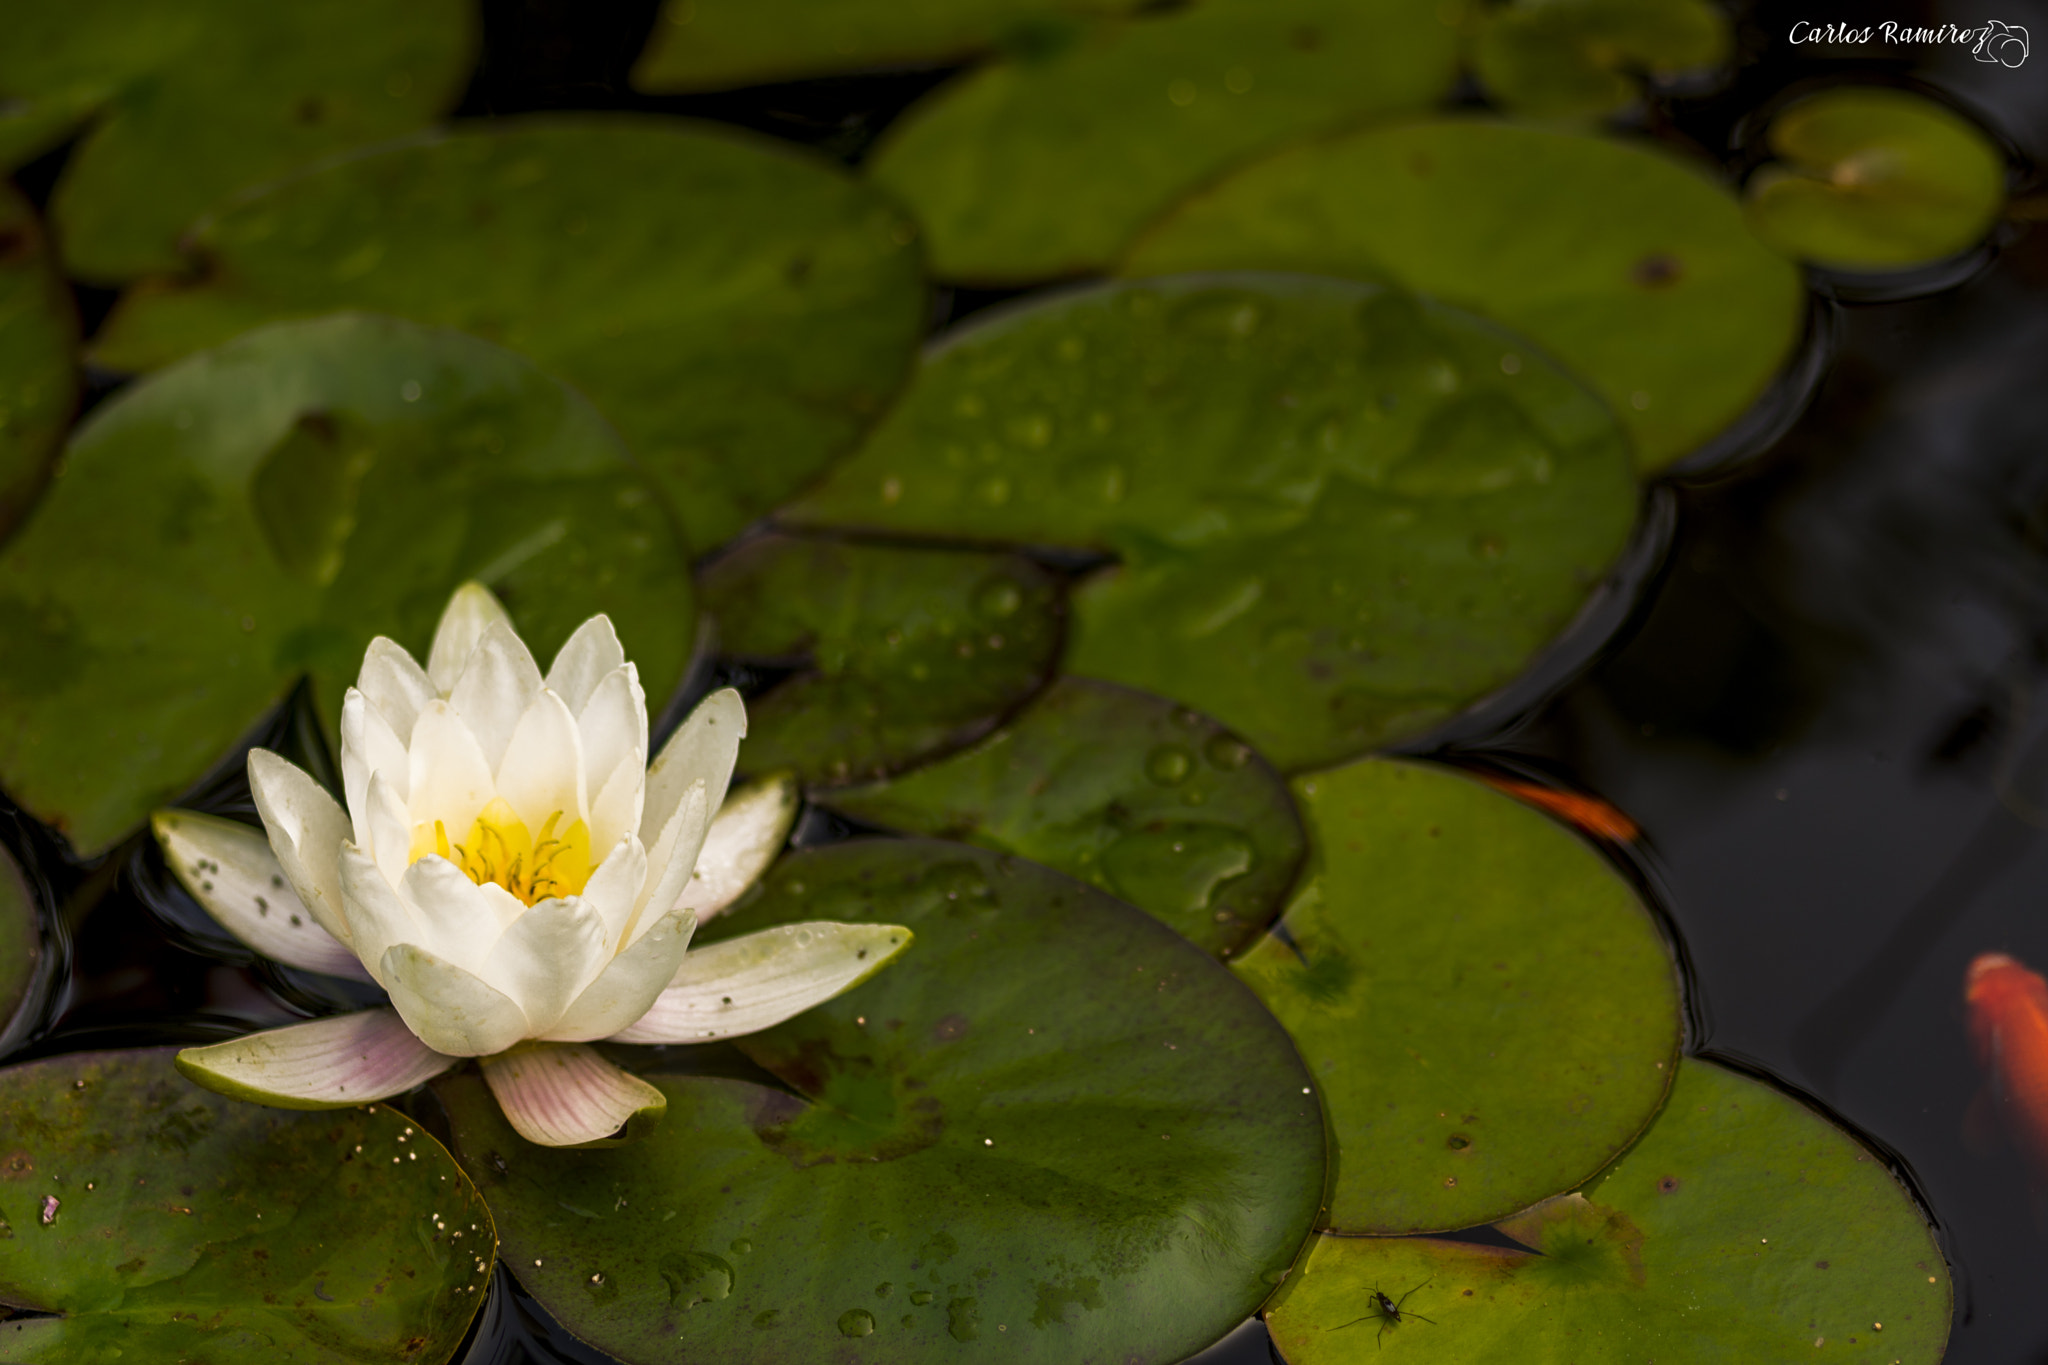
[[543, 767], [584, 659], [703, 749], [566, 1095], [614, 889], [396, 685], [470, 612], [377, 915], [453, 1011], [307, 830], [546, 957], [459, 920], [615, 810], [451, 778], [613, 721], [230, 869], [368, 745], [670, 861], [326, 1064], [389, 841], [746, 984], [497, 684], [745, 837], [630, 982]]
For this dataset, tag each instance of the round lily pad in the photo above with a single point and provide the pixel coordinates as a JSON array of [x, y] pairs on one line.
[[188, 100], [1052, 1131], [1342, 514], [1489, 1011], [1150, 801], [1585, 58], [1871, 178], [24, 958], [1046, 166], [1743, 1226], [159, 1221], [902, 654], [1629, 265], [38, 374], [262, 511], [738, 309], [718, 44]]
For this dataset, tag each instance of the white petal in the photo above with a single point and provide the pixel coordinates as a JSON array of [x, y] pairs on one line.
[[566, 1095], [369, 745], [630, 982], [497, 684], [745, 835], [398, 687], [471, 612], [546, 957], [616, 809], [703, 748], [614, 889], [584, 659], [326, 1064], [230, 869], [451, 778], [377, 915], [458, 919], [756, 981], [670, 861], [307, 830], [543, 767], [613, 721], [453, 1011], [390, 835]]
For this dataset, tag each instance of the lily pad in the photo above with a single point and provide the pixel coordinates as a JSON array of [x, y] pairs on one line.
[[158, 1221], [1490, 1012], [1342, 514], [1629, 265], [1047, 166], [1053, 1131], [38, 342], [1585, 58], [1743, 1226], [903, 654], [718, 44], [1149, 801], [1871, 178], [263, 511], [188, 100], [739, 310]]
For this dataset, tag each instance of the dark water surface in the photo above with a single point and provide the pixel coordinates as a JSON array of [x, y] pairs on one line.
[[1828, 711]]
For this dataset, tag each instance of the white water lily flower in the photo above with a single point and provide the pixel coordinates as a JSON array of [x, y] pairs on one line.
[[516, 876]]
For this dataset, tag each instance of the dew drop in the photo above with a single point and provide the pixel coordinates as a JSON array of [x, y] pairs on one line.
[[856, 1322], [1168, 764]]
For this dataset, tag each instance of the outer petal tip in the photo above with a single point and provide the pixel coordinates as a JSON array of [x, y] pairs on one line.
[[756, 981], [568, 1095], [324, 1064], [234, 874]]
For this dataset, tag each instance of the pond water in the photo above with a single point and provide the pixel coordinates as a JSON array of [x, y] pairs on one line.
[[1828, 711]]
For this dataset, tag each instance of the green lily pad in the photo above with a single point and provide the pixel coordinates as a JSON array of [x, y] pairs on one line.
[[260, 512], [739, 310], [1585, 58], [1149, 801], [1039, 167], [1342, 515], [38, 374], [189, 100], [1871, 178], [1743, 1226], [1490, 1012], [904, 653], [159, 1221], [718, 44], [1627, 264], [1052, 1131], [24, 961]]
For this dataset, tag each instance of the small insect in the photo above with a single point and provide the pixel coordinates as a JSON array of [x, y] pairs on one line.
[[1388, 1312]]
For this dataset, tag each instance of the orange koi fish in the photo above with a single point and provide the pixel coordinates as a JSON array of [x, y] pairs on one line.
[[2009, 1029], [1589, 813]]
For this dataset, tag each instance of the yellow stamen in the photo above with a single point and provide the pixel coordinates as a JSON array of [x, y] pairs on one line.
[[500, 849]]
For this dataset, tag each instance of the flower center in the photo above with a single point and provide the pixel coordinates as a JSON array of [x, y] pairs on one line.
[[500, 848]]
